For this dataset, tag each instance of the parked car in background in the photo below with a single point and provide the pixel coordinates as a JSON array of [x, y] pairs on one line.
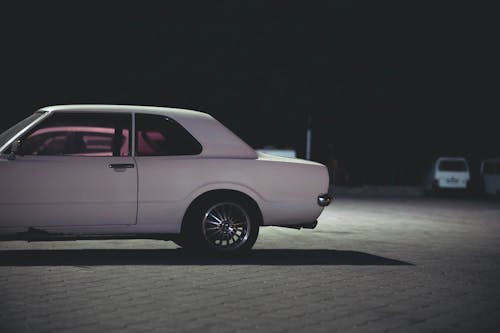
[[448, 173], [108, 171], [490, 176]]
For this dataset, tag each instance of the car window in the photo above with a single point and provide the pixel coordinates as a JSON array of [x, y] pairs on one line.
[[452, 166], [80, 134], [491, 168], [162, 136], [5, 136]]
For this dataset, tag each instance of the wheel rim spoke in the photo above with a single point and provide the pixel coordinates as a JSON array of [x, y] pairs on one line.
[[226, 226], [215, 219], [215, 234]]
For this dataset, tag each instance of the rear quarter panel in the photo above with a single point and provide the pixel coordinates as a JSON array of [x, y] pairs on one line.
[[286, 192]]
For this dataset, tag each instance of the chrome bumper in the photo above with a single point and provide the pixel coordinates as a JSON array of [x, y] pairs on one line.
[[324, 199]]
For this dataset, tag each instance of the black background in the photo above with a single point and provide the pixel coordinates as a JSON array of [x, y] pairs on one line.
[[388, 85]]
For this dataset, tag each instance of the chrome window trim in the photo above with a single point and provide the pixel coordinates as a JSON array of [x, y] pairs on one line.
[[48, 113], [24, 130], [132, 136]]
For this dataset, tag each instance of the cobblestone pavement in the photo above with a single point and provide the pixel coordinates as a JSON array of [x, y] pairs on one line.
[[371, 265]]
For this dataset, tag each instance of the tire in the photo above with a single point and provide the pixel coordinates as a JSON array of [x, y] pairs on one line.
[[179, 241], [226, 226]]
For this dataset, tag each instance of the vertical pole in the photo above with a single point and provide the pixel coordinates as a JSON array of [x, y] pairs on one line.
[[308, 138]]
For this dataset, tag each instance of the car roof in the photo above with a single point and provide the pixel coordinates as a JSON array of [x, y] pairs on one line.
[[492, 160], [122, 108], [216, 139], [452, 158]]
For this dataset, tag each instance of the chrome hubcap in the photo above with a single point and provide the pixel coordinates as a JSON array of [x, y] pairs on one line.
[[226, 226]]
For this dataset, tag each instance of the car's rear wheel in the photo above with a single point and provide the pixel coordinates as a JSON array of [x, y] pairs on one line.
[[223, 226]]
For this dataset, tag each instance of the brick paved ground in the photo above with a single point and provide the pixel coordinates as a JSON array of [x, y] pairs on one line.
[[372, 265]]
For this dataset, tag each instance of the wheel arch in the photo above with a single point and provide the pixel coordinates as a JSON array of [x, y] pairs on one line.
[[220, 194]]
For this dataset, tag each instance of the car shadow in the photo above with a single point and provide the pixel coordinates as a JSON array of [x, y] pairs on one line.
[[271, 257]]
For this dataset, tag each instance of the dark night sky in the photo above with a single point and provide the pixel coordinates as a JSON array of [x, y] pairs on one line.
[[389, 84]]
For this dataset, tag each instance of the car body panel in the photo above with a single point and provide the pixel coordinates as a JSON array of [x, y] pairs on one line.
[[490, 175], [282, 196], [39, 191], [82, 195]]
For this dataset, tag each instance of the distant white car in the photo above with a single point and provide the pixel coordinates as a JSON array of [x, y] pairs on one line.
[[448, 173], [490, 176], [106, 171]]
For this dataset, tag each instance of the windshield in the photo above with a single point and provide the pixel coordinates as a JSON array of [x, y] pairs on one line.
[[5, 136], [452, 166]]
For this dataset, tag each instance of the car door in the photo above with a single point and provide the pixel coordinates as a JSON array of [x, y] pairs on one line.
[[73, 169], [163, 151]]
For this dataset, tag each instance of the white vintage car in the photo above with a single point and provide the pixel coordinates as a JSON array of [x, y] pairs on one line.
[[109, 171]]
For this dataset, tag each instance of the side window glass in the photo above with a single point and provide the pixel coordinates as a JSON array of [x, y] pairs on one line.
[[161, 136], [489, 168], [80, 134]]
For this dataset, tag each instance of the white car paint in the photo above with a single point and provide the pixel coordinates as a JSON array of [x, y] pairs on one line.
[[39, 191], [449, 173], [272, 182], [82, 195]]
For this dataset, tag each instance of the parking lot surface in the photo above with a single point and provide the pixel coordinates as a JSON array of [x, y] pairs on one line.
[[371, 265]]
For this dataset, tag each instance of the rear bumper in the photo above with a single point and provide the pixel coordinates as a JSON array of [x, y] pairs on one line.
[[442, 184], [324, 200]]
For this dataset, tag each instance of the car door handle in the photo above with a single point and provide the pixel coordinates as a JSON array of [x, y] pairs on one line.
[[122, 166]]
